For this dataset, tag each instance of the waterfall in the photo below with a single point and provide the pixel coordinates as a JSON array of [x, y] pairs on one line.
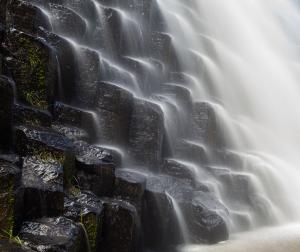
[[201, 96]]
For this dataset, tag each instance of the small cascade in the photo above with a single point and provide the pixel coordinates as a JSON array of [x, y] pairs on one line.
[[182, 115]]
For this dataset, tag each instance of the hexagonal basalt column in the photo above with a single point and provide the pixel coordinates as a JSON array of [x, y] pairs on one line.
[[146, 134], [53, 234], [43, 187], [32, 66], [47, 145]]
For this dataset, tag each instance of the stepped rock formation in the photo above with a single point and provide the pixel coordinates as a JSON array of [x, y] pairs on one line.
[[102, 145]]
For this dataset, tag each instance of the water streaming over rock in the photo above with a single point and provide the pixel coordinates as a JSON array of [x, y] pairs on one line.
[[200, 98]]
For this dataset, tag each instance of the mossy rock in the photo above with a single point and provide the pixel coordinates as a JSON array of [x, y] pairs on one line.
[[86, 208], [10, 199], [33, 69], [6, 98], [47, 145]]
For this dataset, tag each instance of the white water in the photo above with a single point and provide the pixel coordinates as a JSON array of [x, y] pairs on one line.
[[282, 239], [242, 58], [250, 56]]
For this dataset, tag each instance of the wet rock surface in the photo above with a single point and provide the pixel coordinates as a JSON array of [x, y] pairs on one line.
[[95, 169], [120, 226], [22, 15], [25, 115], [86, 208], [114, 107], [146, 134], [47, 145], [130, 185], [71, 132], [32, 68], [43, 187], [200, 210], [69, 115], [69, 98], [53, 234]]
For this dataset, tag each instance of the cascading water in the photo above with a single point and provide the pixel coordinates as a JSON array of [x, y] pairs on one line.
[[226, 91]]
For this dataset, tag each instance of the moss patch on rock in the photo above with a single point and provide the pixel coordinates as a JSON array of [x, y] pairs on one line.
[[32, 68]]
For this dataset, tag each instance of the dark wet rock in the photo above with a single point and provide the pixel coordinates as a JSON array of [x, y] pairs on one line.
[[120, 227], [47, 145], [204, 215], [95, 169], [10, 246], [25, 115], [32, 68], [158, 216], [113, 22], [77, 117], [86, 208], [10, 198], [113, 98], [130, 185], [146, 134], [161, 45], [43, 187], [208, 221], [6, 104], [114, 107], [11, 158], [90, 72], [67, 22], [53, 234], [179, 170], [65, 64], [24, 16], [206, 125], [194, 151], [71, 132]]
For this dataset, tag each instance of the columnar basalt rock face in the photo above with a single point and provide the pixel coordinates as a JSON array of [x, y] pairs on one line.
[[119, 227], [114, 107], [95, 169], [32, 68], [22, 15], [53, 234], [69, 115], [68, 98], [26, 115], [42, 181], [86, 208], [47, 145], [146, 134]]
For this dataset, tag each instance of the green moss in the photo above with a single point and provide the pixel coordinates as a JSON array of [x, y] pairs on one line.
[[92, 226], [33, 98], [31, 71], [7, 212]]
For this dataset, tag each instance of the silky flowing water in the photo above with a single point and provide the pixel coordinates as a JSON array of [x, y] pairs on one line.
[[240, 58]]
